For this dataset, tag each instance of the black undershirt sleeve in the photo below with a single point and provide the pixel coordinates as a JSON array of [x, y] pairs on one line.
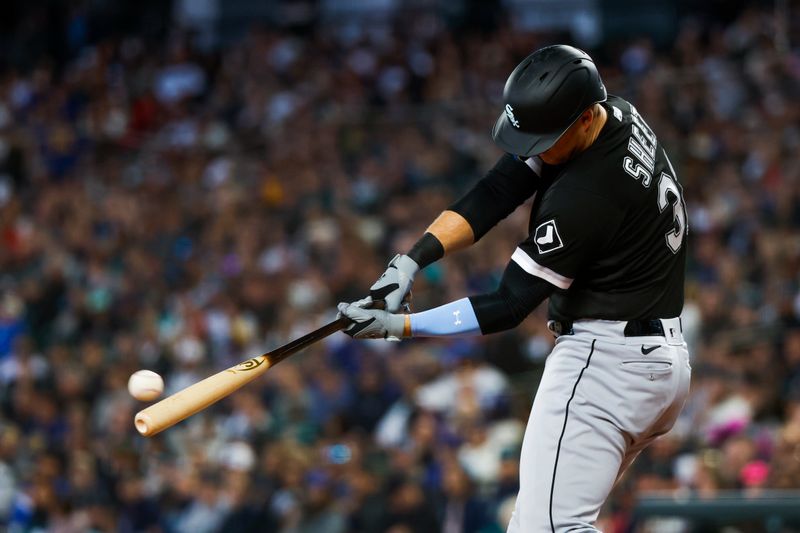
[[517, 296], [504, 188]]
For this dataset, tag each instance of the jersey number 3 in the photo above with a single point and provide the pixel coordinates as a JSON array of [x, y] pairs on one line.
[[670, 195]]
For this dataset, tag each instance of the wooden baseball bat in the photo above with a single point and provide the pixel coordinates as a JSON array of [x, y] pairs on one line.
[[197, 397]]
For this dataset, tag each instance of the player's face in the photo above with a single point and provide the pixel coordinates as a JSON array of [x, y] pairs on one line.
[[562, 150], [576, 139]]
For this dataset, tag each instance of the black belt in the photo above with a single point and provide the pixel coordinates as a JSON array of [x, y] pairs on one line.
[[634, 328]]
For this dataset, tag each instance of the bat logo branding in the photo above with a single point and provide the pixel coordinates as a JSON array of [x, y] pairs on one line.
[[250, 364], [458, 320]]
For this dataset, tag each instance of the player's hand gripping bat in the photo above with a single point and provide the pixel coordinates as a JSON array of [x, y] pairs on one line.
[[197, 397]]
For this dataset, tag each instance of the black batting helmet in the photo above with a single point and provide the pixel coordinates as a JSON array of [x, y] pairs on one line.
[[544, 95]]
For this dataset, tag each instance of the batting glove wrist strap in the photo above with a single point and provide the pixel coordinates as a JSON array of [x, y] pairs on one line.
[[428, 249]]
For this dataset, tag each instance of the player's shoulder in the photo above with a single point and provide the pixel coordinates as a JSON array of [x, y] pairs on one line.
[[600, 171], [619, 109]]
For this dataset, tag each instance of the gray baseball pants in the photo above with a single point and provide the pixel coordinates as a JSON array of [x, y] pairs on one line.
[[603, 398]]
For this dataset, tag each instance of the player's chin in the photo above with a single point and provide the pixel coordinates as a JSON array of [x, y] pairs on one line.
[[550, 158], [554, 158]]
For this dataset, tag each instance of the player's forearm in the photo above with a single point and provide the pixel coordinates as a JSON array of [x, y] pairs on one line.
[[519, 293], [477, 315], [454, 319], [448, 233], [452, 230]]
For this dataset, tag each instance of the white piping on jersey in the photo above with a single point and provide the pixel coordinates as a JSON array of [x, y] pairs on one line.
[[533, 268], [672, 170], [535, 163]]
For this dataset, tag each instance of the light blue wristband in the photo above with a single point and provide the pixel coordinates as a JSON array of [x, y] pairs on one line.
[[456, 319]]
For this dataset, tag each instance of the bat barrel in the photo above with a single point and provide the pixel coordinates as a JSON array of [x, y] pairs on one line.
[[198, 396], [143, 423], [195, 398]]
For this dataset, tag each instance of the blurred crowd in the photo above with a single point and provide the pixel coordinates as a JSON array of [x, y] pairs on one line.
[[181, 209]]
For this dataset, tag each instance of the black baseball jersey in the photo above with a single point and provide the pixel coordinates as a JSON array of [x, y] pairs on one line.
[[609, 227]]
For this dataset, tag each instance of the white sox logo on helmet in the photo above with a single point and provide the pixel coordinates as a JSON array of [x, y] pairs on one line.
[[510, 114]]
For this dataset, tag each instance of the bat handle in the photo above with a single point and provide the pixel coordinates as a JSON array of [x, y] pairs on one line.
[[376, 304]]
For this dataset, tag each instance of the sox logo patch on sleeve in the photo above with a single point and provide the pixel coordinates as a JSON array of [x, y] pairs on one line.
[[547, 237]]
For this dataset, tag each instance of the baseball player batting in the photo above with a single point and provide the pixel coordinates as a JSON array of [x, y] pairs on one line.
[[606, 244]]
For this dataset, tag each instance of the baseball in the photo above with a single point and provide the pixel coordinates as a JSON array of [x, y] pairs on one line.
[[145, 385]]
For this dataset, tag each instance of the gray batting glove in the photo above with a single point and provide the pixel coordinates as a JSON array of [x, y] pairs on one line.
[[372, 323], [394, 285]]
